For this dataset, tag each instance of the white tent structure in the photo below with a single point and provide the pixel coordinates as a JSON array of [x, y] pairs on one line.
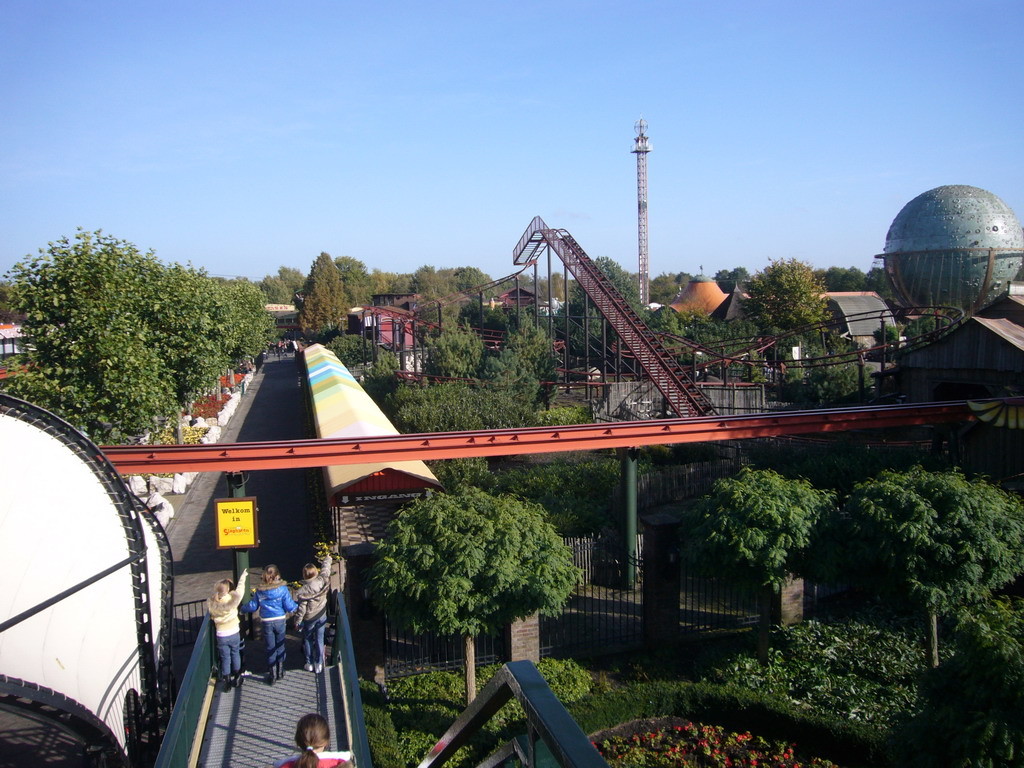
[[85, 607]]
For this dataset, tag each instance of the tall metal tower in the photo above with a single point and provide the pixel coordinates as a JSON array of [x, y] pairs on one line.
[[641, 146]]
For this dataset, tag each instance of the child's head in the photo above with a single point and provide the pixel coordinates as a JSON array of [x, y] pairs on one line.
[[312, 735], [271, 574], [222, 587], [310, 571]]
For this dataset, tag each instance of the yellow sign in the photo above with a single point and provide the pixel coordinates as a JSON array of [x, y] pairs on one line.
[[236, 523]]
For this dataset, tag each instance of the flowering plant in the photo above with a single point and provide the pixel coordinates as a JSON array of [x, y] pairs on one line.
[[694, 745]]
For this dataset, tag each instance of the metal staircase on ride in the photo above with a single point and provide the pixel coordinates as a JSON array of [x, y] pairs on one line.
[[671, 379]]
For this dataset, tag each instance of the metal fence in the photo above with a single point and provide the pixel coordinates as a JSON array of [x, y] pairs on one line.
[[605, 611], [408, 653], [709, 604], [187, 621]]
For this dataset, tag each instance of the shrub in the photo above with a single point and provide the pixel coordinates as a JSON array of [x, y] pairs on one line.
[[852, 669]]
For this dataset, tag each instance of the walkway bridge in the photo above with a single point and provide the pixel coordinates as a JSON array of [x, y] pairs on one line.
[[675, 384], [254, 725]]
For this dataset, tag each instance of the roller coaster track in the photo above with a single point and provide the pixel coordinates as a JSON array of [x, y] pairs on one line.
[[671, 379], [295, 454]]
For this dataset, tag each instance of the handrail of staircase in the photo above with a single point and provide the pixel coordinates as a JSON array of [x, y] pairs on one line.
[[187, 717], [551, 731], [343, 654], [536, 226]]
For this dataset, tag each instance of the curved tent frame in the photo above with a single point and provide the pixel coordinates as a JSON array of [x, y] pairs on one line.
[[86, 609]]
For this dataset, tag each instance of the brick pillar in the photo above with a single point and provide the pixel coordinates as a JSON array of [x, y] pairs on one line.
[[788, 604], [365, 619], [522, 640], [661, 580]]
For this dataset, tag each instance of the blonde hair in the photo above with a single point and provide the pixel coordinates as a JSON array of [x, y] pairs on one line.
[[309, 571], [222, 587]]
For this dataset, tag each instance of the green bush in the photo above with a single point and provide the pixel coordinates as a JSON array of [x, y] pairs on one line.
[[863, 669], [423, 707], [565, 414], [574, 494], [455, 474]]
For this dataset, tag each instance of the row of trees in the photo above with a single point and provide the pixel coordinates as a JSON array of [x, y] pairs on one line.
[[937, 540], [113, 338]]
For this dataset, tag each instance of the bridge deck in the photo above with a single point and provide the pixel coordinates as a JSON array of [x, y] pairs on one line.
[[254, 725]]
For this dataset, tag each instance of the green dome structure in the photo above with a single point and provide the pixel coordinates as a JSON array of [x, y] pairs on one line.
[[953, 246]]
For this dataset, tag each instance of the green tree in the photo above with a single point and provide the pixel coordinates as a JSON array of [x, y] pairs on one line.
[[247, 326], [282, 287], [972, 703], [524, 364], [936, 538], [453, 406], [664, 288], [842, 279], [469, 564], [324, 303], [92, 354], [728, 279], [456, 353], [356, 280], [757, 528], [786, 295]]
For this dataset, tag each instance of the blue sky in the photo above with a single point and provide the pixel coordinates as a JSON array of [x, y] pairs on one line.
[[243, 136]]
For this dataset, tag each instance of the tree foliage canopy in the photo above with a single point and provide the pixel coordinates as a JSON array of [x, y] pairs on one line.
[[757, 526], [114, 338], [324, 302], [471, 563], [972, 703], [786, 295], [456, 353], [937, 538]]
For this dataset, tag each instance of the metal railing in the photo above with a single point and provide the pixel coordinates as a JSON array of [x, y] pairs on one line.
[[188, 619], [551, 733], [343, 655], [186, 717]]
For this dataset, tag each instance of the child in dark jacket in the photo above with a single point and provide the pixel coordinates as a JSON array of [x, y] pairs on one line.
[[311, 616], [274, 601]]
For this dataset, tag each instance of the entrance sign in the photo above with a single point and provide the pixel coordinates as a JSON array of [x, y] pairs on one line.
[[236, 523]]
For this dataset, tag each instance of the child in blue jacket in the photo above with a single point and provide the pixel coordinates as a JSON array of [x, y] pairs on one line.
[[274, 602]]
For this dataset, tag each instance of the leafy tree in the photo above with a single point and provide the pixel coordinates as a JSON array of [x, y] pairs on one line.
[[876, 280], [282, 287], [786, 295], [350, 350], [757, 527], [469, 564], [843, 279], [247, 327], [728, 279], [355, 278], [8, 314], [453, 406], [324, 302], [936, 538], [380, 381], [664, 288], [524, 364], [91, 354], [826, 384], [457, 353], [188, 312], [972, 703]]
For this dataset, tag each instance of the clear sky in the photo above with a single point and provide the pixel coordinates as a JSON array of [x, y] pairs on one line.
[[243, 136]]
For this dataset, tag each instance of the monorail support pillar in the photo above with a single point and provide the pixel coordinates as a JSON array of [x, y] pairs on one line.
[[629, 458]]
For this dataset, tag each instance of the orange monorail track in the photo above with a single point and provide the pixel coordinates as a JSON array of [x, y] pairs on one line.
[[238, 457]]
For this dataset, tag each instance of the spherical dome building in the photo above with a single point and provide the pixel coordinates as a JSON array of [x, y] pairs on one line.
[[953, 246]]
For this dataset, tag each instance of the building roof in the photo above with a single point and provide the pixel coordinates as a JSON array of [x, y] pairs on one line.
[[1007, 329], [701, 294], [865, 308]]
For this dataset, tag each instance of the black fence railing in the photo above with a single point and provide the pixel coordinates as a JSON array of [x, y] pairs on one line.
[[710, 604], [188, 620], [408, 653], [606, 610]]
